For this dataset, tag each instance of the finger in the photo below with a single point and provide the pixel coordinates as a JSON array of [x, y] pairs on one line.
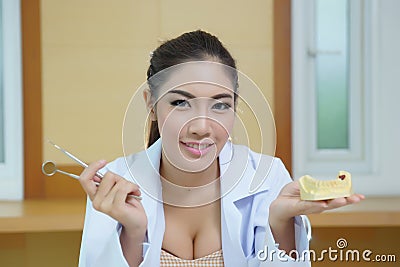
[[336, 203], [115, 201], [105, 187], [104, 200], [308, 207], [343, 201], [87, 175], [355, 198], [122, 195]]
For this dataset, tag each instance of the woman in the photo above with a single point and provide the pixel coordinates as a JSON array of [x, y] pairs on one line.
[[197, 208]]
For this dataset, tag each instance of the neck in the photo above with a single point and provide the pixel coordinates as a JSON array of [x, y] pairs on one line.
[[182, 188], [188, 179]]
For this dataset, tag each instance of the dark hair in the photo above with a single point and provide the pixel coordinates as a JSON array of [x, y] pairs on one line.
[[191, 46]]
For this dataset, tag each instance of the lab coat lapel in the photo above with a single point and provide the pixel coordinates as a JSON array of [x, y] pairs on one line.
[[144, 171], [243, 172], [237, 182]]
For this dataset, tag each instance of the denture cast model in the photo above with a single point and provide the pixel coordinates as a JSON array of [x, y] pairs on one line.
[[313, 189]]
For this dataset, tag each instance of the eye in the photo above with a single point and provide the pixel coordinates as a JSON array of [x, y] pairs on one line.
[[221, 106], [180, 103]]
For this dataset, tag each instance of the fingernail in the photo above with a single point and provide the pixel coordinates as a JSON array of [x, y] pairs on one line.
[[102, 161]]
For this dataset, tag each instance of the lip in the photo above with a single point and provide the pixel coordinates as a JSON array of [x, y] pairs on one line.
[[197, 151]]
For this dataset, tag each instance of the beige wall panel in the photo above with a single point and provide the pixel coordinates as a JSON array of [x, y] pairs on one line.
[[96, 53], [99, 22], [257, 65], [237, 23], [85, 111]]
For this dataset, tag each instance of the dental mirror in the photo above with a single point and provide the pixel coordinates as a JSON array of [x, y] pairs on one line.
[[49, 168]]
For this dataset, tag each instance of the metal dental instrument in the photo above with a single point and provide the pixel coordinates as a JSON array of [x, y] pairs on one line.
[[50, 167], [80, 162]]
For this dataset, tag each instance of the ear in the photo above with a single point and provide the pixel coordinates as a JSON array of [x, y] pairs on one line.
[[148, 99]]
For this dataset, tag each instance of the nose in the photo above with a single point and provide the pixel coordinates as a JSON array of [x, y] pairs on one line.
[[200, 126]]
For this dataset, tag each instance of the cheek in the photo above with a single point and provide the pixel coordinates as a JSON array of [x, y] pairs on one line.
[[224, 126], [169, 124]]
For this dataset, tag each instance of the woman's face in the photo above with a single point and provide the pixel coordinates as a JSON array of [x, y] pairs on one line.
[[195, 120]]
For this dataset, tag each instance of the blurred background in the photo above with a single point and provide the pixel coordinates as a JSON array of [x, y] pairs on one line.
[[328, 68]]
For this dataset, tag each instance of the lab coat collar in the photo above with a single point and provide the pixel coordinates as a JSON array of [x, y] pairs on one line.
[[236, 162]]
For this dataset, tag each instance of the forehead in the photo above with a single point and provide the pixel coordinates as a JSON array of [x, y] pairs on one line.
[[198, 78]]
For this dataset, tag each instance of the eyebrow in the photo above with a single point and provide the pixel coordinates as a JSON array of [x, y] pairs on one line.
[[189, 95]]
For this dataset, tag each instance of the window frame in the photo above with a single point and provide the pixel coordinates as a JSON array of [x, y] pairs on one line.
[[359, 158], [11, 170]]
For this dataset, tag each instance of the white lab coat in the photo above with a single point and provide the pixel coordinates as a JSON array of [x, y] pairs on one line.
[[244, 213]]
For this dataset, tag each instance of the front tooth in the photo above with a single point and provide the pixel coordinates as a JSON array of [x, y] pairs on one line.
[[193, 146]]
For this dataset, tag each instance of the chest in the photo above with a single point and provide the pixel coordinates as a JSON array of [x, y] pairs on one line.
[[192, 233]]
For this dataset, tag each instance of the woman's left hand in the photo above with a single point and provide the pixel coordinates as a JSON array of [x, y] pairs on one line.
[[288, 203]]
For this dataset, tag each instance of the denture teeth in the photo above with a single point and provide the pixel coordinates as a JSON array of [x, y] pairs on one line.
[[313, 189]]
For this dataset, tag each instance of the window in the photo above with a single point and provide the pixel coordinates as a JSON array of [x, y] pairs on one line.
[[330, 52], [11, 157], [331, 91]]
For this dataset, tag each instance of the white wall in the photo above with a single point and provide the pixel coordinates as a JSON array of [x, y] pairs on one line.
[[386, 179]]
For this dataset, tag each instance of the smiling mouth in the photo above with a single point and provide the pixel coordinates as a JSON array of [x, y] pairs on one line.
[[197, 149], [197, 146]]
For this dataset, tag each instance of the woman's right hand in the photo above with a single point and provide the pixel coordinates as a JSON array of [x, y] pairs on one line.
[[111, 198]]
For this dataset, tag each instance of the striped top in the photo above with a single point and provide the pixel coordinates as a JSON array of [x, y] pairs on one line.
[[213, 260]]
